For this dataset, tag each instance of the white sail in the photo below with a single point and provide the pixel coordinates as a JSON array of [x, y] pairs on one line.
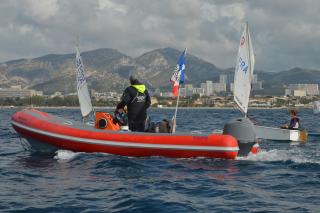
[[316, 107], [83, 93], [244, 71]]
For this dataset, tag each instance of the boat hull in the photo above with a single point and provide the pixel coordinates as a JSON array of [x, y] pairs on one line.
[[42, 128], [278, 134]]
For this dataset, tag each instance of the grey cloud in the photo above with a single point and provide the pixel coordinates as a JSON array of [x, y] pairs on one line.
[[285, 33]]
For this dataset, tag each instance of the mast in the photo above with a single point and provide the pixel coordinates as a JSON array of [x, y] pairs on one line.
[[249, 63]]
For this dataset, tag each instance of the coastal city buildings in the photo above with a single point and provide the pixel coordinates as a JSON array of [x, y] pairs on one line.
[[210, 88], [256, 85], [302, 89], [219, 94], [18, 92], [213, 93]]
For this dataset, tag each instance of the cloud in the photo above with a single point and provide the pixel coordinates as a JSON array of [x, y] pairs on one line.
[[40, 9], [109, 5], [285, 33]]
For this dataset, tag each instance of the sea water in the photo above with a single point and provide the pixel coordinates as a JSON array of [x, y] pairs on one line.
[[283, 177]]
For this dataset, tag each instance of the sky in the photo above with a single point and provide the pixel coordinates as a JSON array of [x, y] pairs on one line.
[[285, 33]]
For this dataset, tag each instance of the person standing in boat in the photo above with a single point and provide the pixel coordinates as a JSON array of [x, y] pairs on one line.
[[137, 100], [294, 122]]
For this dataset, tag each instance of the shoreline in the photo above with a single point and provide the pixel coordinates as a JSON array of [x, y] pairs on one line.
[[110, 107]]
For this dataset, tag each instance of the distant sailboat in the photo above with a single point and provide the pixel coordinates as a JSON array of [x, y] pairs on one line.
[[82, 88], [316, 107]]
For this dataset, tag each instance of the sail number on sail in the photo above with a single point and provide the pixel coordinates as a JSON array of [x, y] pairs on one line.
[[80, 72], [243, 65]]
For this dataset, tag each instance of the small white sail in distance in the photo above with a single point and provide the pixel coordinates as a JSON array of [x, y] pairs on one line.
[[316, 107], [244, 71], [83, 93]]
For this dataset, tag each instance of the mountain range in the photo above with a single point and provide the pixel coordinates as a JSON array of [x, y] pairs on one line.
[[108, 70]]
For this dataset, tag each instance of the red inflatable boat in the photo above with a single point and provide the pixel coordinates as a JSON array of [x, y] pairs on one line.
[[45, 130]]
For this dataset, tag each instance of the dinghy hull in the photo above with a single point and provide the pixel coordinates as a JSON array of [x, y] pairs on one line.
[[278, 134], [42, 128]]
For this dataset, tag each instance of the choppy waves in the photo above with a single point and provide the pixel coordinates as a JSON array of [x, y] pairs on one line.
[[280, 178], [295, 155]]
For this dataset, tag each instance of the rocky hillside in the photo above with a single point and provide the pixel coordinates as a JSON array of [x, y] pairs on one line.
[[108, 70], [105, 70]]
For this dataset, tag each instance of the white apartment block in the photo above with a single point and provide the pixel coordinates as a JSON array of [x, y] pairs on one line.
[[219, 87], [310, 89], [18, 93], [209, 88]]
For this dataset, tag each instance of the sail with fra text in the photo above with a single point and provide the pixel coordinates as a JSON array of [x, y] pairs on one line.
[[244, 71], [82, 88]]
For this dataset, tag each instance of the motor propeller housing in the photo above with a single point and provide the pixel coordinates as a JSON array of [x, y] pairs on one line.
[[243, 130]]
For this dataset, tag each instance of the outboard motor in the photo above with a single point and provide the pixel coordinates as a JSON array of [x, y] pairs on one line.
[[158, 126], [243, 130]]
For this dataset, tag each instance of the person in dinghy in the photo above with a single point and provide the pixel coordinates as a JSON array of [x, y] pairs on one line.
[[294, 122], [137, 99]]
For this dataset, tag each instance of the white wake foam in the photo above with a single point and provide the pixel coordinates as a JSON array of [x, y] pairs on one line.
[[294, 155], [65, 155]]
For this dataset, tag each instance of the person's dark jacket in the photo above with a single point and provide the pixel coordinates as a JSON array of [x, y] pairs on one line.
[[137, 100], [294, 123]]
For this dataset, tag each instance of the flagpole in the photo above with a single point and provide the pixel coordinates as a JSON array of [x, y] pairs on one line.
[[177, 79], [175, 113]]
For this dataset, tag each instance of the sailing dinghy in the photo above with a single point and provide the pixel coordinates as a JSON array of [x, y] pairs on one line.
[[242, 88], [242, 128]]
